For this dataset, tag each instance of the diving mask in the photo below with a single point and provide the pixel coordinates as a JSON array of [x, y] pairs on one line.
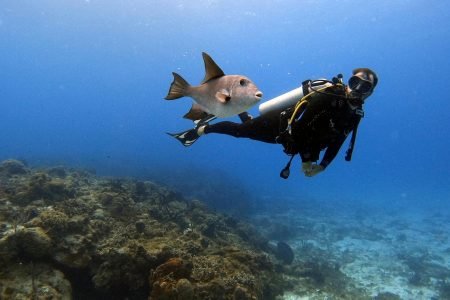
[[360, 85]]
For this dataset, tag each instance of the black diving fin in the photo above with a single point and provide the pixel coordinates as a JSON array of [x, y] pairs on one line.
[[188, 137]]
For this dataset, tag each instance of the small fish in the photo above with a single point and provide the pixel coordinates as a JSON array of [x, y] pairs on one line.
[[219, 94]]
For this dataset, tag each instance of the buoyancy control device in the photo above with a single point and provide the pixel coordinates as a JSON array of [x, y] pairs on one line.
[[298, 97]]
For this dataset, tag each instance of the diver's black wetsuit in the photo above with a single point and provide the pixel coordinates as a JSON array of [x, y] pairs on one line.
[[324, 124], [263, 128]]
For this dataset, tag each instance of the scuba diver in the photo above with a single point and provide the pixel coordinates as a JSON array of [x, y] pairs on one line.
[[317, 116]]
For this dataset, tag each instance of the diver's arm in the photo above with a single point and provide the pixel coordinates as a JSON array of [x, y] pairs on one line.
[[311, 170], [332, 151], [245, 116]]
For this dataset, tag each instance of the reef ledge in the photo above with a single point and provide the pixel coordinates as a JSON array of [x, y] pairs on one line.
[[68, 234]]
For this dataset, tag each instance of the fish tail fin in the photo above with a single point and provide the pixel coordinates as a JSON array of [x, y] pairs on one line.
[[187, 137], [178, 88]]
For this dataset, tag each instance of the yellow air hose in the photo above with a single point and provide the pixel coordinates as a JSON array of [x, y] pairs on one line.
[[301, 103]]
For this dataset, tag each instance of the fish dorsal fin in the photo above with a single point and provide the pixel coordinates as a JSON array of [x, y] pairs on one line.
[[212, 70]]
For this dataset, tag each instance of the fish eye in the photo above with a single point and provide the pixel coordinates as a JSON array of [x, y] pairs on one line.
[[228, 98], [243, 82]]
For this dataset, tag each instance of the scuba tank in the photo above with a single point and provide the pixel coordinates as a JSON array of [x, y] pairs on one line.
[[288, 99]]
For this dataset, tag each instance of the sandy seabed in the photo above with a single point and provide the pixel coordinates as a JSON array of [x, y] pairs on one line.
[[378, 254]]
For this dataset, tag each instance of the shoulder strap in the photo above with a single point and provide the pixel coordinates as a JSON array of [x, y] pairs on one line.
[[305, 87]]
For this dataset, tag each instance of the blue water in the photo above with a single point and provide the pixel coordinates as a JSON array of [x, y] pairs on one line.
[[82, 83]]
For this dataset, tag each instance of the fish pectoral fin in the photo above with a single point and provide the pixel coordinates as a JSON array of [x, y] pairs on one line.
[[223, 96], [196, 113], [212, 70]]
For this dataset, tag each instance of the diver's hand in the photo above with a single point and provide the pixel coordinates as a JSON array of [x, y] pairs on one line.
[[306, 167], [315, 169]]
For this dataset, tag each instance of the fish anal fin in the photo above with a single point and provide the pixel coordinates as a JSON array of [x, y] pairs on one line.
[[212, 70], [178, 88], [195, 113]]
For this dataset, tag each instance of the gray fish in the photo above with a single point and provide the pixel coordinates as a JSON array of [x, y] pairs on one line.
[[219, 94], [284, 253]]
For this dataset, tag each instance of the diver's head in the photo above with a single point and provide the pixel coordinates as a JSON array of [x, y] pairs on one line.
[[362, 84]]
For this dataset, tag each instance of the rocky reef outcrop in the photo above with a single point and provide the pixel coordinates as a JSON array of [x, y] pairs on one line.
[[65, 233]]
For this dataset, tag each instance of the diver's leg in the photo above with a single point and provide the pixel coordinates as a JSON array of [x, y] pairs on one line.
[[224, 127], [260, 129]]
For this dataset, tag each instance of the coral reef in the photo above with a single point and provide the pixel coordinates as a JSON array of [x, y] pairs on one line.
[[33, 281], [65, 233], [12, 167]]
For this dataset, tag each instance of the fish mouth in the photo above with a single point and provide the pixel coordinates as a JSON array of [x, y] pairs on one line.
[[258, 95]]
